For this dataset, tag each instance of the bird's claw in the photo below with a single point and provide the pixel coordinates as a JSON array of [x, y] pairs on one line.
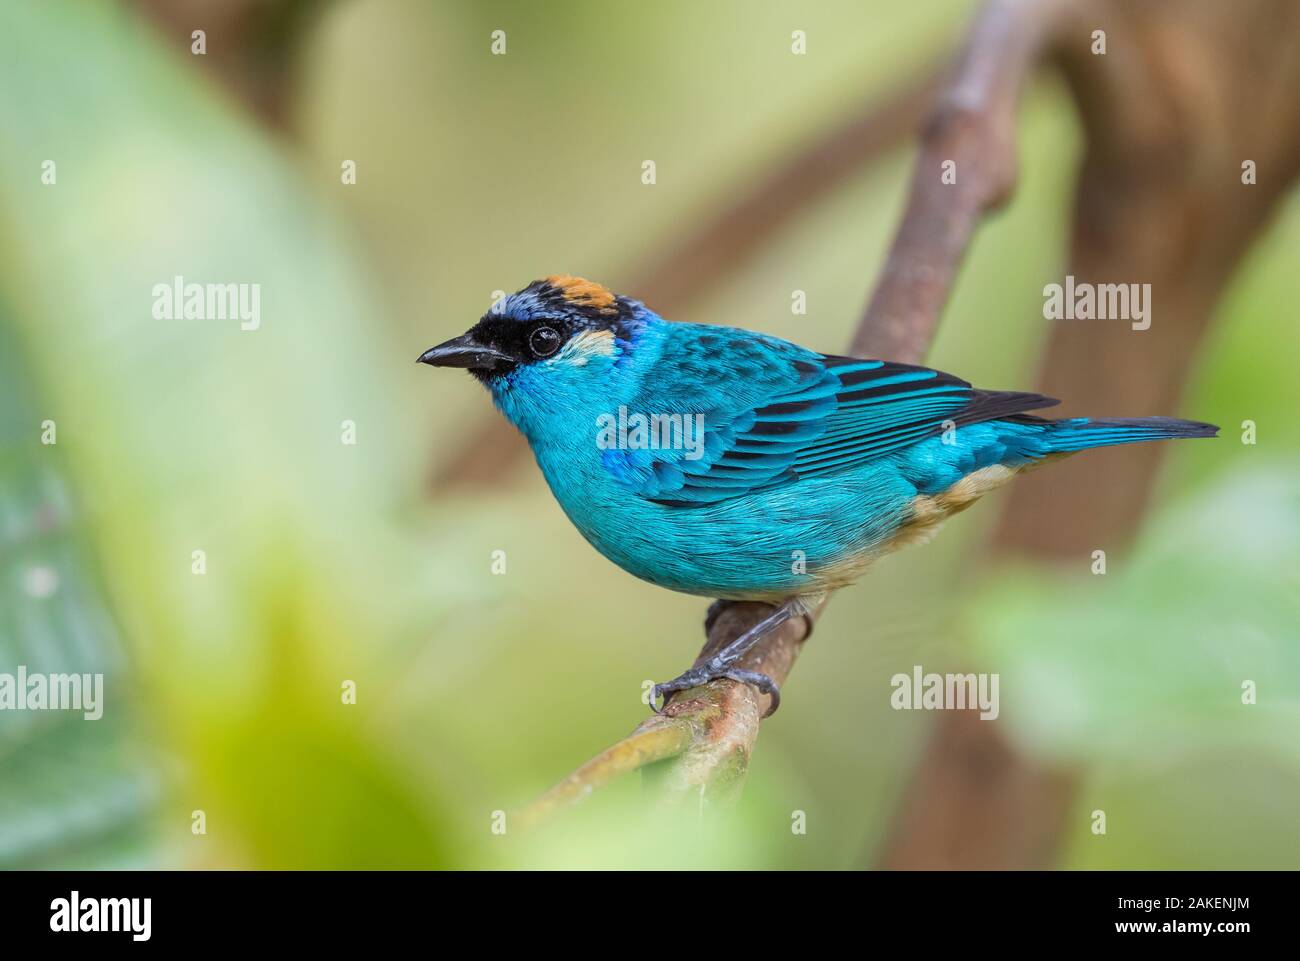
[[712, 671], [683, 682]]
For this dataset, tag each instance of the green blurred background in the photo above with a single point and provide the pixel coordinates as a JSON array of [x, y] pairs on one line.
[[329, 562]]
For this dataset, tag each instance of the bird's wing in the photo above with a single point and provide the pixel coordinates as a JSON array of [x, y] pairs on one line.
[[774, 413]]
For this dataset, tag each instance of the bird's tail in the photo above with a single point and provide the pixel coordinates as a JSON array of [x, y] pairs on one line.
[[1082, 433]]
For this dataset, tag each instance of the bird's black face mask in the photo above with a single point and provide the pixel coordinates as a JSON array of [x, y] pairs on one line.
[[532, 326]]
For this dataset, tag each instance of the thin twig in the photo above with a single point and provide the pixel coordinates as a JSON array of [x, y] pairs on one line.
[[657, 739]]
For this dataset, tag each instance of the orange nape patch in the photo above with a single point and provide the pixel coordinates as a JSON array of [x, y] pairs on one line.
[[584, 293]]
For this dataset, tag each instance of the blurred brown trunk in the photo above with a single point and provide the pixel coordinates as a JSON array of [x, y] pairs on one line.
[[1186, 93], [252, 46]]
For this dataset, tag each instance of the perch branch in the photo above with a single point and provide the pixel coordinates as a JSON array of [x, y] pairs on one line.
[[657, 739], [716, 725]]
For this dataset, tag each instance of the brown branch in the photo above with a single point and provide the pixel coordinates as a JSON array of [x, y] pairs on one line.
[[719, 722]]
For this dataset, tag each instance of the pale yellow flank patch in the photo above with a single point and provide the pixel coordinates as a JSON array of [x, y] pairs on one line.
[[583, 292], [929, 511], [969, 489]]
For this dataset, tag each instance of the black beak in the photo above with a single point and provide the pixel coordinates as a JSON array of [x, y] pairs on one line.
[[465, 351]]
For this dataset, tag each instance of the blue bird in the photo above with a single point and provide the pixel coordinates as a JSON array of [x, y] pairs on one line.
[[732, 464]]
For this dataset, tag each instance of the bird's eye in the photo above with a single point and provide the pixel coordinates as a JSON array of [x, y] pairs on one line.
[[544, 341]]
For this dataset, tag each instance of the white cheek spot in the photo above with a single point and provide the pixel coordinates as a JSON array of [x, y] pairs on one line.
[[579, 362]]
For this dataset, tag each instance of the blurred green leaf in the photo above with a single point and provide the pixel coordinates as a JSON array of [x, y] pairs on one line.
[[72, 790], [1148, 661], [186, 435]]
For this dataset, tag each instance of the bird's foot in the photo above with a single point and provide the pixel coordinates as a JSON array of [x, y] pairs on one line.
[[723, 663], [712, 670]]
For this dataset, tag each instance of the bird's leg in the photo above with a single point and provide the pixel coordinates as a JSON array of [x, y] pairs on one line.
[[713, 613], [722, 663]]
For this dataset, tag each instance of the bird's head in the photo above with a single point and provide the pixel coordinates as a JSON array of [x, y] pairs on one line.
[[547, 345]]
